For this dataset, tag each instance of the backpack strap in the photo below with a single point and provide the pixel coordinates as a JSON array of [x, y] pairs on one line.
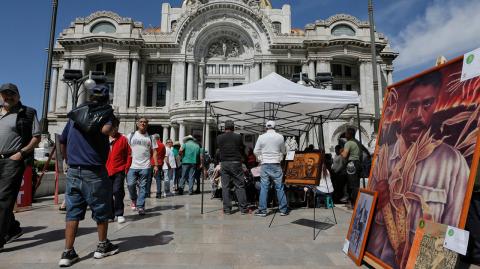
[[130, 137]]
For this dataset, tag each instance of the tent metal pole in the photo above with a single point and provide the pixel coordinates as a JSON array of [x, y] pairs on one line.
[[360, 136], [321, 132], [204, 139]]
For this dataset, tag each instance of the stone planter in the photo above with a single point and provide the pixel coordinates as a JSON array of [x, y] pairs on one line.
[[47, 187]]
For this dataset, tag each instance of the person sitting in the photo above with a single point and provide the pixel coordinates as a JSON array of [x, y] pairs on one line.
[[324, 188]]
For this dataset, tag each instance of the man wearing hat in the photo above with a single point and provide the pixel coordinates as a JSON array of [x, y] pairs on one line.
[[231, 152], [19, 135], [190, 153], [270, 149], [87, 177]]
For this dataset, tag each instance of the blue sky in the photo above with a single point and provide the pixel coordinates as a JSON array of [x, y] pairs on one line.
[[420, 30]]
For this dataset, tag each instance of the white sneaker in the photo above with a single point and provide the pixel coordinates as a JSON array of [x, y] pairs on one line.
[[120, 219]]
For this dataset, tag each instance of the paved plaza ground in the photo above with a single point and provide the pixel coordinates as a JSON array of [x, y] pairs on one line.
[[173, 234]]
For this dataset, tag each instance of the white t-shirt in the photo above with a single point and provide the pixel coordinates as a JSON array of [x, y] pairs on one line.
[[141, 145], [171, 159]]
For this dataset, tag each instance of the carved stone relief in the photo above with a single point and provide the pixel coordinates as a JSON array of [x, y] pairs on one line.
[[226, 48]]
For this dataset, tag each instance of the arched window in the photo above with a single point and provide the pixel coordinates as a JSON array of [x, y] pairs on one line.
[[343, 29], [277, 27], [103, 27], [173, 25]]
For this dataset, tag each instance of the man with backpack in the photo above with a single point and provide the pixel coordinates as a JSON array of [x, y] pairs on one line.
[[351, 153], [85, 146], [142, 147]]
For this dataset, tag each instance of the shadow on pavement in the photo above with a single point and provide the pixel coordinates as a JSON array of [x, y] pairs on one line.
[[143, 241], [310, 223], [47, 237]]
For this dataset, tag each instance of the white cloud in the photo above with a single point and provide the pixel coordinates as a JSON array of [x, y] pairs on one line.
[[447, 27]]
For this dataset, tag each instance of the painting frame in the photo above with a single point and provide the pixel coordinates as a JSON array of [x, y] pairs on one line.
[[369, 257], [363, 195], [301, 172]]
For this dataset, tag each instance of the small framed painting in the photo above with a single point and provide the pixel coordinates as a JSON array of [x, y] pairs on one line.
[[360, 224]]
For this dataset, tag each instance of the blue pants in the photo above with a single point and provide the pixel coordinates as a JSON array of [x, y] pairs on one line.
[[271, 171], [140, 176], [188, 173]]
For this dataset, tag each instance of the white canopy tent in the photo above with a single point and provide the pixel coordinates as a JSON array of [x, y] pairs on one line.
[[294, 107]]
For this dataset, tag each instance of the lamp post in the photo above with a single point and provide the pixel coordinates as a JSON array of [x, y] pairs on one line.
[[48, 70], [75, 79], [374, 66]]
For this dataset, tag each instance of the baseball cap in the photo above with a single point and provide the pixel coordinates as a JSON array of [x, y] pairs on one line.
[[229, 125], [9, 87], [270, 124], [100, 90]]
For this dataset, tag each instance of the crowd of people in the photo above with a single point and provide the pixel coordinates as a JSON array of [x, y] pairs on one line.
[[100, 160]]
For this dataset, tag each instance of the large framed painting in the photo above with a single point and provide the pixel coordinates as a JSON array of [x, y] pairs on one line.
[[304, 168], [360, 224], [422, 168]]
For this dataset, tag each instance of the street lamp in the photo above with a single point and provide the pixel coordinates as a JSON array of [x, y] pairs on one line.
[[322, 80], [374, 66], [48, 70], [75, 79]]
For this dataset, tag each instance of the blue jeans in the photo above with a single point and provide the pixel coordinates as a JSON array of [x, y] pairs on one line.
[[272, 171], [88, 186], [168, 178], [188, 171], [158, 179], [140, 176]]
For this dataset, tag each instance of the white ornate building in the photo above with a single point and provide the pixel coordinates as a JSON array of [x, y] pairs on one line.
[[162, 72]]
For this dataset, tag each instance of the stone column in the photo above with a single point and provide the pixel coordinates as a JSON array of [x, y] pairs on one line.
[[121, 84], [167, 95], [173, 133], [179, 77], [305, 67], [323, 66], [201, 81], [142, 85], [83, 92], [256, 72], [366, 86], [62, 93], [181, 131], [311, 70], [165, 133], [190, 72], [133, 84], [53, 90], [389, 77], [267, 68], [247, 74], [154, 94], [172, 84]]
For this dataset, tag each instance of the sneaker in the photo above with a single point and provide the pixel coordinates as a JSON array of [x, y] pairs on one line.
[[344, 199], [286, 213], [121, 219], [133, 205], [227, 212], [12, 237], [141, 211], [68, 258], [244, 212], [259, 213], [105, 249]]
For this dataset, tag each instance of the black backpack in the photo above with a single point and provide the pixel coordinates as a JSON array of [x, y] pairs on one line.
[[365, 160], [90, 117]]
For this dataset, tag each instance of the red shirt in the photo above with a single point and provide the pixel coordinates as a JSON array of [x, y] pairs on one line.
[[161, 151], [118, 157]]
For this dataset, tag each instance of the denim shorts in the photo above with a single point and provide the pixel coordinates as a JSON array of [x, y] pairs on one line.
[[88, 186]]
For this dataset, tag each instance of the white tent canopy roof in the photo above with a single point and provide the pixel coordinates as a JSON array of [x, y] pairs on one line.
[[291, 105]]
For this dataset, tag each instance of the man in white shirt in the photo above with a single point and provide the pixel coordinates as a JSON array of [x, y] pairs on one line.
[[270, 149], [169, 167], [142, 146]]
